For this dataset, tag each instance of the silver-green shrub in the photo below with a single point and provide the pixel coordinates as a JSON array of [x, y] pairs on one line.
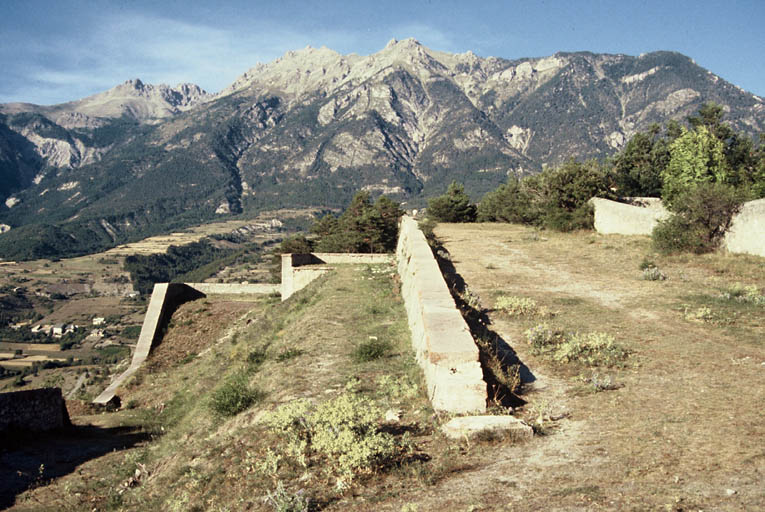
[[653, 274], [343, 432], [515, 306]]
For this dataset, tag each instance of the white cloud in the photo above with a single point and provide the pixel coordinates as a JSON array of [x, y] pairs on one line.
[[150, 48]]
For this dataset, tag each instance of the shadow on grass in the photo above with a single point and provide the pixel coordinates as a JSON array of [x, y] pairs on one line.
[[479, 324], [28, 460]]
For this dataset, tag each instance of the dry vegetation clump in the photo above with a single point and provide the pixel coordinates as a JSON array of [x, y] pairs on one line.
[[516, 306], [592, 349]]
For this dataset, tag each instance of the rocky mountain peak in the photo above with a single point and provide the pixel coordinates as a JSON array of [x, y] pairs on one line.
[[135, 83]]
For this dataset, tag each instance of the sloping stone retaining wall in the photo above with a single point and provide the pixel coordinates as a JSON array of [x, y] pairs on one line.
[[165, 298], [33, 410], [442, 341]]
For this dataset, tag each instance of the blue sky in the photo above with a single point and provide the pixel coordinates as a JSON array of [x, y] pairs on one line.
[[60, 50]]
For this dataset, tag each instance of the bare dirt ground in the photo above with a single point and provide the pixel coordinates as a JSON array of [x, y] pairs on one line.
[[684, 432]]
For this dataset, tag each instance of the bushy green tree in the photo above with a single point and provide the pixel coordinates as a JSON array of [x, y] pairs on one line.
[[453, 206], [563, 194], [557, 198], [363, 227], [510, 202], [695, 157], [637, 169]]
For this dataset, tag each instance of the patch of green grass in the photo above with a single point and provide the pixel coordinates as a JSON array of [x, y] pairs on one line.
[[287, 354], [234, 395], [256, 358], [373, 348], [569, 301]]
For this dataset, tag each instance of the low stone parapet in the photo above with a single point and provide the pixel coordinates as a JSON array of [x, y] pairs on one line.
[[235, 288], [441, 339], [298, 270]]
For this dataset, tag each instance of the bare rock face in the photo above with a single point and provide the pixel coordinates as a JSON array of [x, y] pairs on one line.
[[138, 100]]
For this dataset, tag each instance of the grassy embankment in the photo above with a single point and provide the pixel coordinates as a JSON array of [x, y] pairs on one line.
[[342, 344]]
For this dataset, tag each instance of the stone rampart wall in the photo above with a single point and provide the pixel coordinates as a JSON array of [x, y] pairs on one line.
[[441, 339], [331, 258], [165, 298], [746, 234], [33, 410]]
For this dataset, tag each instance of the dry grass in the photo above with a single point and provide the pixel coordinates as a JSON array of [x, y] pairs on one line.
[[683, 425]]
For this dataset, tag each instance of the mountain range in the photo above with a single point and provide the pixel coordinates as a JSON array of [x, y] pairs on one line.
[[314, 126]]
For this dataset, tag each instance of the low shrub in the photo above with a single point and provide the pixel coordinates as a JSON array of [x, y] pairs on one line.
[[256, 358], [646, 263], [603, 383], [471, 299], [234, 395], [592, 349], [702, 314], [288, 354], [397, 389], [503, 377], [282, 500], [542, 338], [653, 274], [515, 306], [342, 432], [742, 293]]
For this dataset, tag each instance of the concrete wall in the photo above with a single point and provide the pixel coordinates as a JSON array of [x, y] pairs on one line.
[[235, 288], [442, 341], [298, 270], [35, 410], [747, 230], [746, 234], [332, 258], [165, 299], [612, 217]]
